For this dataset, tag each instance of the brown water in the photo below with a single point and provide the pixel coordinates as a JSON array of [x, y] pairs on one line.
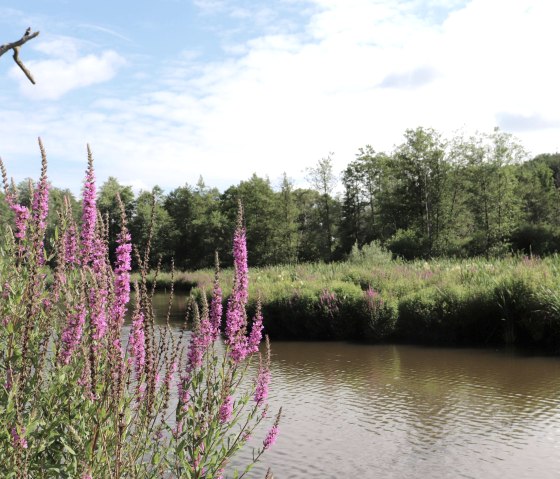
[[366, 411]]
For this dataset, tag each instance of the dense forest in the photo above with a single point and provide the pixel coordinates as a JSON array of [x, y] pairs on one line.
[[429, 197]]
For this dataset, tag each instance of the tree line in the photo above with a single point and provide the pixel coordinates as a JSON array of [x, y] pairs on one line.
[[429, 197]]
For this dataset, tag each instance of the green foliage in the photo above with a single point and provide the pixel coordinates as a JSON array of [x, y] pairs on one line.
[[454, 302], [431, 197], [371, 253], [406, 244]]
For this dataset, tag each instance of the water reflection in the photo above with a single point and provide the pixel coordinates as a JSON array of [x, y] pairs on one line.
[[411, 412]]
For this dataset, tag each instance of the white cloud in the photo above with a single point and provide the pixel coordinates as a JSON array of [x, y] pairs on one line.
[[67, 68]]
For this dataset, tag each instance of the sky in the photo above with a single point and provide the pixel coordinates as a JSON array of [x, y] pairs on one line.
[[165, 92]]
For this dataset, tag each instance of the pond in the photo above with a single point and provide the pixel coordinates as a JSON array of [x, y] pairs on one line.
[[393, 411]]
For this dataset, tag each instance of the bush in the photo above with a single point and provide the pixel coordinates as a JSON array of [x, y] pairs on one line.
[[406, 244], [370, 254]]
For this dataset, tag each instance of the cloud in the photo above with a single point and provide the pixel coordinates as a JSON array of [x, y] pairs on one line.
[[517, 123], [108, 31], [412, 79], [67, 71]]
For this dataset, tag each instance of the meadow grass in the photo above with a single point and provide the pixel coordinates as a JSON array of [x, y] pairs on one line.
[[476, 301]]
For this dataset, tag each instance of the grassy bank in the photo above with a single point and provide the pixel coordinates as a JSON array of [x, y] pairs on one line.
[[514, 301]]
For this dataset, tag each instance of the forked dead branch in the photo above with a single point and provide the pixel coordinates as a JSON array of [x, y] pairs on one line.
[[15, 46]]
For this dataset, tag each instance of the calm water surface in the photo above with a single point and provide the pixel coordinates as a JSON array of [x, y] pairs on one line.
[[411, 412]]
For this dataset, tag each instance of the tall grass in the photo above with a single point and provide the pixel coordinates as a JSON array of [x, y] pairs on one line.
[[513, 300]]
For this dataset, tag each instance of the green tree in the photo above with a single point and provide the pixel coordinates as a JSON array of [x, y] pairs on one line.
[[261, 217], [322, 179], [287, 228], [493, 201], [310, 237], [108, 206], [420, 169], [148, 205], [199, 225], [209, 225], [362, 181]]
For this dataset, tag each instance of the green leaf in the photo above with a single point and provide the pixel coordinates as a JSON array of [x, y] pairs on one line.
[[69, 450]]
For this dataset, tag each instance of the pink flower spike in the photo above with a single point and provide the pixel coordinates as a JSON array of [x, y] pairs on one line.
[[271, 437], [72, 334], [256, 330], [89, 213], [137, 343], [226, 409]]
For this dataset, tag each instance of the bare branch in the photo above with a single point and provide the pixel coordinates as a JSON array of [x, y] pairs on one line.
[[15, 46], [22, 66]]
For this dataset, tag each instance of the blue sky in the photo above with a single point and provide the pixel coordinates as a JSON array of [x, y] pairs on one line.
[[170, 90]]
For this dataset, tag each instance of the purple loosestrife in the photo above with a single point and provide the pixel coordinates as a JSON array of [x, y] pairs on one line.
[[70, 245], [270, 438], [256, 330], [89, 214], [98, 304], [216, 304], [329, 302], [226, 409], [21, 216], [137, 343], [235, 329], [236, 319], [272, 435], [263, 380], [201, 338], [240, 261], [169, 375], [72, 334], [373, 300], [21, 212], [122, 279], [263, 377], [40, 207], [183, 391], [18, 441]]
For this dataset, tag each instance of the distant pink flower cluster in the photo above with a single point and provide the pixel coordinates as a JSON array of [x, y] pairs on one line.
[[329, 302], [373, 297]]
